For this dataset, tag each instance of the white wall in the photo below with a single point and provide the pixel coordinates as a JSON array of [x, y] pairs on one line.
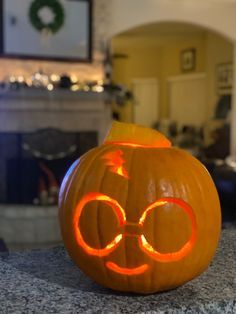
[[218, 15], [84, 71]]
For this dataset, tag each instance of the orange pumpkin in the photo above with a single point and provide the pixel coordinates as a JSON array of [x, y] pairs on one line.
[[139, 215]]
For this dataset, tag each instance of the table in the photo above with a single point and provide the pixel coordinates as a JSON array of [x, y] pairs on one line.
[[46, 281]]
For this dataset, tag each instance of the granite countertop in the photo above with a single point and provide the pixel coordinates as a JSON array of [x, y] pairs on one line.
[[47, 282]]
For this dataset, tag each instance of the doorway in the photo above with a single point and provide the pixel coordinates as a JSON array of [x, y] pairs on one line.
[[146, 106], [187, 99]]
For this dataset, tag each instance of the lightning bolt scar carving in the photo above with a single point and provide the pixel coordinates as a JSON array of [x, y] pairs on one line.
[[115, 162]]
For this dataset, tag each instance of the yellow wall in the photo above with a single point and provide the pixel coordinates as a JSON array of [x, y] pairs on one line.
[[218, 50], [171, 63], [142, 60], [160, 58]]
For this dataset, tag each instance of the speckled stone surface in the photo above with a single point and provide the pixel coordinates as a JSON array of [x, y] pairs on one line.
[[48, 282]]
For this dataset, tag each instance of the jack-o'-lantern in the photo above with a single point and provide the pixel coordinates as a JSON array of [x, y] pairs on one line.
[[138, 215]]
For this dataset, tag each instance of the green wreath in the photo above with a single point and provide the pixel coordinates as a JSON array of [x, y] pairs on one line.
[[56, 8]]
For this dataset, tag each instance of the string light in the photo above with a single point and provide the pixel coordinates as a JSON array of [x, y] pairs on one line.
[[12, 79], [86, 88], [20, 79], [50, 87], [98, 88], [29, 82], [55, 78], [54, 81], [75, 88], [74, 79]]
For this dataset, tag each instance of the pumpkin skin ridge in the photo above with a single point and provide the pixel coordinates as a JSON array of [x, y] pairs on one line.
[[200, 188], [219, 221], [64, 191], [98, 227], [206, 251], [198, 164], [89, 165], [74, 174], [64, 188], [113, 147], [126, 277], [146, 289], [174, 278], [148, 282], [99, 233], [151, 278], [174, 284], [155, 148], [107, 171], [132, 156], [105, 271], [131, 286]]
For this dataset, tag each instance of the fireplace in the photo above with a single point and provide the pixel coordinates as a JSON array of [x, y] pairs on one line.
[[41, 134]]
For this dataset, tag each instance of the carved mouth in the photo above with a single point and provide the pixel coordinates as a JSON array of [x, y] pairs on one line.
[[127, 271]]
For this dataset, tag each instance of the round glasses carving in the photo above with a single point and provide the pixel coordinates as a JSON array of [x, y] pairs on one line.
[[121, 218]]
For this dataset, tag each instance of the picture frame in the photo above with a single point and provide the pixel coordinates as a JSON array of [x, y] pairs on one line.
[[188, 60], [224, 78], [60, 30]]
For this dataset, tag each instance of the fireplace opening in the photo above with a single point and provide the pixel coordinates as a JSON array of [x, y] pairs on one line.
[[32, 165], [35, 181]]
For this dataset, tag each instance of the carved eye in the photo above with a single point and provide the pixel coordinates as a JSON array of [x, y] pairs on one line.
[[165, 204], [104, 201]]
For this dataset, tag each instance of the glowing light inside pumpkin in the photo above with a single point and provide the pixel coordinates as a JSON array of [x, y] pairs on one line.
[[187, 247], [118, 210], [150, 207], [127, 271], [115, 161], [160, 144]]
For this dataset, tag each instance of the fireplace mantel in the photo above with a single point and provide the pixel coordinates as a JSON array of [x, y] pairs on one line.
[[33, 109]]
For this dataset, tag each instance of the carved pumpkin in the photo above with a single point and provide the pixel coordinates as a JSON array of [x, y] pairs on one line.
[[138, 215]]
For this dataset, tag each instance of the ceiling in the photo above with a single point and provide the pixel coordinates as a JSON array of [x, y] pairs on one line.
[[163, 29]]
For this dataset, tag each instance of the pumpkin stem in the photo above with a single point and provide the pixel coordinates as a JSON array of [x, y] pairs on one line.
[[135, 135]]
